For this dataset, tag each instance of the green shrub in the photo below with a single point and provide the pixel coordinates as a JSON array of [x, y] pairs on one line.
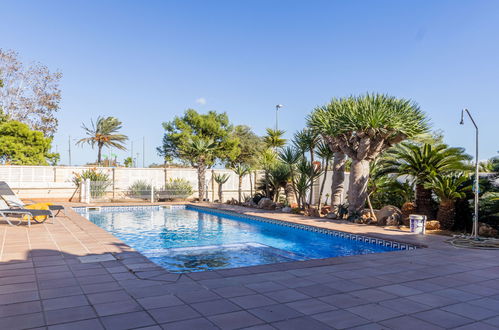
[[139, 189], [99, 181], [176, 188]]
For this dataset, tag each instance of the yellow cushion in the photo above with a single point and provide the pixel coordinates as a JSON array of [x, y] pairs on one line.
[[38, 206]]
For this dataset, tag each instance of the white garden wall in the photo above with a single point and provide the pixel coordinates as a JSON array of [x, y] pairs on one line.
[[55, 182]]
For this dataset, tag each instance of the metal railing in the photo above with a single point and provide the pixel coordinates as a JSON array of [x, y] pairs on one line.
[[96, 191]]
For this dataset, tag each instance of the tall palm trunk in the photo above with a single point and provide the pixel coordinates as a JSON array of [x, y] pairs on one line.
[[338, 180], [251, 183], [239, 188], [319, 204], [424, 202], [357, 188], [220, 193], [201, 180], [446, 214], [99, 153], [311, 195], [267, 189]]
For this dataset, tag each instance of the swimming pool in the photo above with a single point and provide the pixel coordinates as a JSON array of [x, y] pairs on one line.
[[189, 239]]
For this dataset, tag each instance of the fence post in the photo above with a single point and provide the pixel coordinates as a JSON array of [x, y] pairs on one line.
[[83, 190], [114, 184], [152, 193], [87, 191], [212, 186]]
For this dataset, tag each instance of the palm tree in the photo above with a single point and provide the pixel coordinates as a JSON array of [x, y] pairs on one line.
[[421, 163], [267, 160], [201, 151], [363, 127], [307, 173], [291, 157], [448, 188], [241, 170], [279, 175], [306, 140], [221, 179], [103, 133], [274, 138], [324, 152]]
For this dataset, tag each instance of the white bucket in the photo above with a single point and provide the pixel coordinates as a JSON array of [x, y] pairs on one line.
[[417, 223]]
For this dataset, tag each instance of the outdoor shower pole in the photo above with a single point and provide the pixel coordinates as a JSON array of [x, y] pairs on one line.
[[474, 232], [277, 107]]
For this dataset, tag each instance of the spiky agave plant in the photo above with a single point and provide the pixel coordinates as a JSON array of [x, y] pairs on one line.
[[307, 172], [220, 179], [241, 170], [363, 127], [291, 157], [448, 188], [279, 175]]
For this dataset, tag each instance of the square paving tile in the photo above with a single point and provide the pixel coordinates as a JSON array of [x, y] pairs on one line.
[[274, 313], [235, 320], [233, 291], [300, 324], [443, 318], [433, 300], [409, 323], [286, 295], [343, 300], [69, 314], [160, 301], [117, 307], [64, 302], [404, 305], [214, 307], [174, 313], [25, 321], [127, 321], [470, 311], [91, 324], [340, 319], [374, 312], [252, 301], [199, 323], [317, 290], [311, 306], [197, 296]]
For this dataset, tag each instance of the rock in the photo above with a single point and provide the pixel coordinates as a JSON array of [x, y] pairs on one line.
[[266, 204], [486, 230], [433, 225], [326, 209], [286, 209], [332, 216], [312, 212], [389, 216], [232, 201]]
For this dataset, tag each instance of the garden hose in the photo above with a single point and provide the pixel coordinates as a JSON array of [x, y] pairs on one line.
[[474, 243]]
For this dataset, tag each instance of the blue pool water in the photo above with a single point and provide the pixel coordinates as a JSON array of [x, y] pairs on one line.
[[188, 240]]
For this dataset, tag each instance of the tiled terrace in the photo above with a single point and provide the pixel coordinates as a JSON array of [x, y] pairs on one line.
[[44, 285]]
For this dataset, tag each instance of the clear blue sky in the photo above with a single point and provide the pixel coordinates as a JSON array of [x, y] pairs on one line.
[[147, 61]]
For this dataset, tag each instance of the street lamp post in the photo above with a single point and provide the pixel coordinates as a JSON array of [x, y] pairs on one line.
[[277, 107], [474, 232]]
